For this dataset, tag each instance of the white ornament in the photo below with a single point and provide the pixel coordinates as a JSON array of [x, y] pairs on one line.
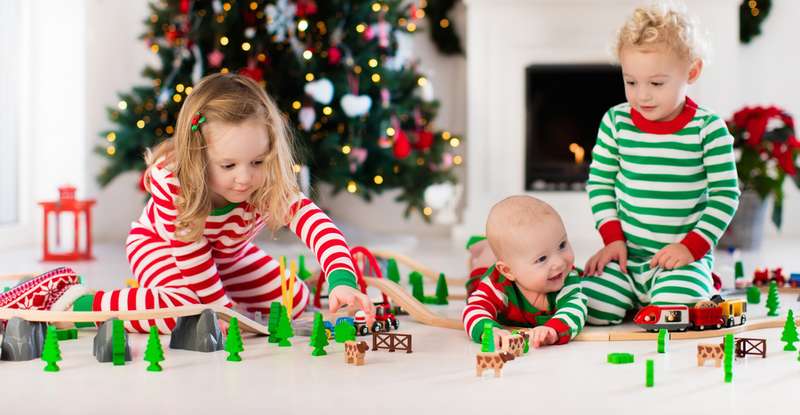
[[321, 90], [280, 19], [197, 70], [217, 5], [307, 116], [425, 91], [403, 53], [355, 106], [250, 32]]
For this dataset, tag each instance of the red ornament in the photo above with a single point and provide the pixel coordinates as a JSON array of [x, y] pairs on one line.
[[402, 148], [172, 35], [184, 6], [67, 204], [255, 73], [334, 55], [215, 59], [306, 8], [424, 140]]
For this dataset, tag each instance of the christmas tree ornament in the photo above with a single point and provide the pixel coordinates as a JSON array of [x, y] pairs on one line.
[[280, 22], [425, 90], [402, 148], [217, 6], [383, 30], [357, 157], [253, 72], [384, 142], [369, 33], [355, 105], [215, 58], [250, 32], [424, 140], [320, 90], [334, 55], [306, 8], [307, 116], [386, 97], [447, 161]]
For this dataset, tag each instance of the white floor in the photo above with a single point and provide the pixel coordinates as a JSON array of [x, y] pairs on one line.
[[439, 376]]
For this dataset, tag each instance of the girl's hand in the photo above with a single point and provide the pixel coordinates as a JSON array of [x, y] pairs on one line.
[[350, 297], [672, 256], [615, 251]]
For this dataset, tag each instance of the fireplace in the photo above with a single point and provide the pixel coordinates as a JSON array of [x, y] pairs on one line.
[[564, 105]]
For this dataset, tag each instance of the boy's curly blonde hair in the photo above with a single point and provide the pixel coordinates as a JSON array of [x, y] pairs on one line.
[[233, 99], [662, 24]]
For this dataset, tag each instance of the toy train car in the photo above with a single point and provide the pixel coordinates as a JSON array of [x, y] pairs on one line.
[[704, 315], [765, 276]]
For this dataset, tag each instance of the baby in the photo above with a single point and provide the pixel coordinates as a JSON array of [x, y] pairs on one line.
[[533, 283]]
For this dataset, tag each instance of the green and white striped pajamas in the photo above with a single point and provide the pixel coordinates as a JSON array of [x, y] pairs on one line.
[[652, 184]]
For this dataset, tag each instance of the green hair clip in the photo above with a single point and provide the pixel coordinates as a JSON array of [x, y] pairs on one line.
[[197, 120]]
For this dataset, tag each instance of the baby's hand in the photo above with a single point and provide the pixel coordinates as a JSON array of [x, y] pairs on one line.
[[542, 336], [349, 296], [615, 251], [672, 256]]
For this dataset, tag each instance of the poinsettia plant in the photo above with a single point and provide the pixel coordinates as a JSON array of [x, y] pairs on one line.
[[766, 152]]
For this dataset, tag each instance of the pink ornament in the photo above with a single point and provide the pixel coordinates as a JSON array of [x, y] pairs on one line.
[[383, 34], [215, 58], [384, 142], [334, 55], [369, 34], [447, 160], [386, 97], [357, 157]]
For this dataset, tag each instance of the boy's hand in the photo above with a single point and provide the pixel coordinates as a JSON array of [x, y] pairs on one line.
[[350, 297], [542, 336], [672, 256], [615, 251]]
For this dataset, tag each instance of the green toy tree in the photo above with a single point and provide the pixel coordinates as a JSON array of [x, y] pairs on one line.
[[487, 339], [393, 271], [233, 343], [302, 272], [417, 291], [344, 331], [51, 353], [738, 271], [773, 301], [285, 331], [342, 71], [789, 334], [118, 343], [154, 353], [318, 337], [441, 290], [274, 319]]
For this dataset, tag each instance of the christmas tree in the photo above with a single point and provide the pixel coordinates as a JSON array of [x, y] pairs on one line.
[[274, 317], [285, 331], [339, 69], [302, 272], [773, 301], [344, 331], [487, 340], [393, 271], [154, 353], [118, 343], [318, 337], [441, 290], [51, 353], [789, 334], [417, 291], [233, 344]]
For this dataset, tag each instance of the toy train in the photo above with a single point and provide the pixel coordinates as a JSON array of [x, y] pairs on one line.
[[384, 321], [709, 314]]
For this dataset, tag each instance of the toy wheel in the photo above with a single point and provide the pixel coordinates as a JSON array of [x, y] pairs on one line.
[[363, 330], [701, 328], [744, 318], [718, 326], [376, 327], [395, 323], [328, 333]]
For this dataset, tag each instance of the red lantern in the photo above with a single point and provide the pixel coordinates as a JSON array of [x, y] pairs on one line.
[[66, 205]]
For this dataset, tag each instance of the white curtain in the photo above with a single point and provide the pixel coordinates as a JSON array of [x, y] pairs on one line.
[[9, 114]]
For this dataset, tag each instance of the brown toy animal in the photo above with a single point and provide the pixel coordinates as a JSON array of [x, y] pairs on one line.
[[354, 352], [513, 344], [710, 351], [491, 360]]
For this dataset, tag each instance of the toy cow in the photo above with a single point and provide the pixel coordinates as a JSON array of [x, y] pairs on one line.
[[514, 344], [491, 360], [710, 351], [354, 352]]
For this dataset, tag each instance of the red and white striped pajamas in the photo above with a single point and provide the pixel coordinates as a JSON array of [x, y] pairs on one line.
[[223, 266]]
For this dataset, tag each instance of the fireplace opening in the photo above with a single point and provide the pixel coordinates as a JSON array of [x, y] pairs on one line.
[[565, 104]]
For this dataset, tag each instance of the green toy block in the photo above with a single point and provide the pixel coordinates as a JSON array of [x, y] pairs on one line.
[[68, 334], [649, 380], [663, 340], [392, 271], [620, 358], [118, 343], [487, 339], [728, 357], [753, 295], [51, 352]]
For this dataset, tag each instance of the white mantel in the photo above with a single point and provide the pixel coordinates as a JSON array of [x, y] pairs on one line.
[[506, 36]]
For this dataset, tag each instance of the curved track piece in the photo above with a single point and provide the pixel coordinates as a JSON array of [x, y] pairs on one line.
[[16, 277], [223, 313], [415, 309], [416, 266]]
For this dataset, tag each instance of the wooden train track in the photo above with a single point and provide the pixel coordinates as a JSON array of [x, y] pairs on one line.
[[419, 267], [223, 313], [415, 309]]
